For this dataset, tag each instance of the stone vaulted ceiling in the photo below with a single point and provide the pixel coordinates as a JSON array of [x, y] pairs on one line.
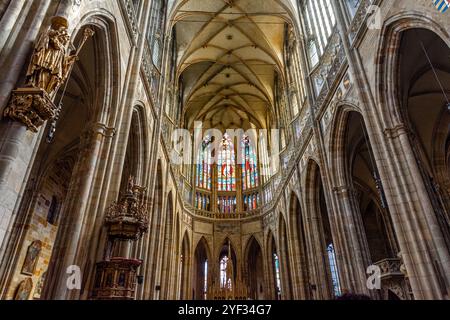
[[230, 54]]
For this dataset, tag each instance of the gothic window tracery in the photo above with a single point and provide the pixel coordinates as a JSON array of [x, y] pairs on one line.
[[320, 21], [204, 165], [250, 178], [227, 182], [226, 165]]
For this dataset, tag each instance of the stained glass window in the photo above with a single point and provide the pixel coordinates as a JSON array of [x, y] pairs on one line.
[[276, 263], [226, 165], [334, 270], [249, 164], [226, 169], [202, 201], [204, 165], [251, 202], [227, 204], [265, 164]]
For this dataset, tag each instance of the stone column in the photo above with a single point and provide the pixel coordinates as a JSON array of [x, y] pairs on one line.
[[268, 274], [117, 149], [10, 19], [283, 256], [356, 252], [320, 278], [299, 284], [420, 239], [17, 146], [70, 248]]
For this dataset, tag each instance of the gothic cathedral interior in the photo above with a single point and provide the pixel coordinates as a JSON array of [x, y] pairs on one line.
[[224, 149]]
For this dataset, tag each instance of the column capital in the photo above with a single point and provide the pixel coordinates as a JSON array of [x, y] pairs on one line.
[[101, 129], [396, 131], [342, 189]]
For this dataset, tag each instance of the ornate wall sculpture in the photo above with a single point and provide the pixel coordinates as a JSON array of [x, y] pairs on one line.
[[50, 67], [127, 221]]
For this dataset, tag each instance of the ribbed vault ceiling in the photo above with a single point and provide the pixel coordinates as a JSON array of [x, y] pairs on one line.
[[229, 56]]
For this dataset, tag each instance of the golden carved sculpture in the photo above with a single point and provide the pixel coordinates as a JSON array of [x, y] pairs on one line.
[[32, 107], [50, 63], [49, 68]]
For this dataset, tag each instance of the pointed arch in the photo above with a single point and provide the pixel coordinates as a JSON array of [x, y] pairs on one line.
[[228, 249], [284, 258], [156, 230], [202, 269], [254, 269], [298, 230], [423, 202], [272, 257], [89, 111], [185, 264], [327, 273], [168, 247]]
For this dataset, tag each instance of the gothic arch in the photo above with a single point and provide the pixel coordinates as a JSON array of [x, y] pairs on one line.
[[254, 269], [105, 27], [175, 281], [274, 285], [139, 125], [202, 269], [298, 230], [83, 116], [387, 63], [185, 268], [234, 253], [167, 248], [337, 142], [363, 189], [153, 237], [136, 156], [317, 211], [418, 207], [285, 258]]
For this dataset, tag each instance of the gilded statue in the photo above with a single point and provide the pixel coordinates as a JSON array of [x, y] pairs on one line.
[[51, 64], [50, 67]]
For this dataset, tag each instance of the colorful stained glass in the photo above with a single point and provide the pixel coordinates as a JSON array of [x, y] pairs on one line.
[[226, 166], [249, 165], [204, 166], [202, 201], [227, 204], [251, 202]]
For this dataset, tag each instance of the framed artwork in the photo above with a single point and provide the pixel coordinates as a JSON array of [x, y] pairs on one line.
[[24, 290], [32, 257]]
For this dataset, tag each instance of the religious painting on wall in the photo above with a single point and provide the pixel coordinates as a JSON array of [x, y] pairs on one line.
[[24, 290], [40, 285], [32, 258]]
